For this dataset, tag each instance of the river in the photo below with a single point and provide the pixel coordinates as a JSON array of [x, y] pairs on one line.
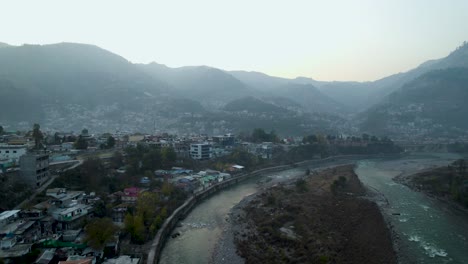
[[201, 229], [428, 231]]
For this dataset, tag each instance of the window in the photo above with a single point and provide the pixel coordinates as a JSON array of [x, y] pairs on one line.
[[14, 151], [7, 151]]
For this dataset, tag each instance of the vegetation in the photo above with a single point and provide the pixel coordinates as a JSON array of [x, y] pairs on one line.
[[449, 182], [149, 158], [110, 143], [99, 232], [284, 225], [37, 135], [259, 135], [81, 143]]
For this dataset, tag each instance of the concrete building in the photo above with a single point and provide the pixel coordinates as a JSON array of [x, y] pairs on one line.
[[200, 151], [12, 153], [34, 169]]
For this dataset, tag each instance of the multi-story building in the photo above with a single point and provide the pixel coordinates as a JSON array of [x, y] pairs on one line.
[[34, 169], [200, 151], [12, 153]]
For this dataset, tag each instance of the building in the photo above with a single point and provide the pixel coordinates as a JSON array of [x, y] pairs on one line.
[[12, 153], [131, 194], [34, 169], [200, 151], [226, 140]]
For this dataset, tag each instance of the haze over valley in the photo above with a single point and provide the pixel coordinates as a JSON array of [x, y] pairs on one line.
[[180, 132], [62, 86]]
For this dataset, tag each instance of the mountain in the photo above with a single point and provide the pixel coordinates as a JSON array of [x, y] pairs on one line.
[[67, 86], [210, 86], [300, 90], [362, 95], [253, 105], [434, 104]]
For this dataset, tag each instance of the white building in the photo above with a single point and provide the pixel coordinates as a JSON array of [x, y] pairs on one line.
[[200, 151], [12, 153]]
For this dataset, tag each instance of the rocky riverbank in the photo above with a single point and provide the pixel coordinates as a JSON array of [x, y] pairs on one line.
[[319, 219]]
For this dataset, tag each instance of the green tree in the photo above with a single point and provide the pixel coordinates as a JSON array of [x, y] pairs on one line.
[[152, 160], [110, 142], [135, 227], [99, 232], [167, 188], [169, 157], [81, 143], [37, 135], [84, 132], [1, 130], [146, 206]]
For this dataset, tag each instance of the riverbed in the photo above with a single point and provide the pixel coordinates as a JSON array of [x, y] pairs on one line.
[[426, 230]]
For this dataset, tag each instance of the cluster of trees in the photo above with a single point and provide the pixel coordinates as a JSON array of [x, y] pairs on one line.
[[37, 136], [145, 220], [259, 135], [110, 143], [144, 158], [319, 138]]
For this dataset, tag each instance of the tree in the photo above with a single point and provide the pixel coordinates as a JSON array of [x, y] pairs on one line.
[[169, 157], [84, 132], [135, 227], [99, 232], [1, 130], [81, 143], [37, 135], [110, 142], [146, 206]]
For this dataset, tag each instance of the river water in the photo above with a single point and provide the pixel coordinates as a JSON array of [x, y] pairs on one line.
[[428, 231], [201, 229]]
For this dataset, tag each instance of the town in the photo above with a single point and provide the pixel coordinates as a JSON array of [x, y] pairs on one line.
[[101, 198]]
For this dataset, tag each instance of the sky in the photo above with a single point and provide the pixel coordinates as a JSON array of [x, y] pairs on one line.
[[360, 40]]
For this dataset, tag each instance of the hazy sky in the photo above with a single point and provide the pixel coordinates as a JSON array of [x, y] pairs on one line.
[[324, 40]]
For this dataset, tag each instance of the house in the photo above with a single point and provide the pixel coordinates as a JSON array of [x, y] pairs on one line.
[[63, 198], [236, 168], [123, 260], [131, 194], [119, 212], [12, 153], [74, 260], [16, 235], [34, 169], [70, 217]]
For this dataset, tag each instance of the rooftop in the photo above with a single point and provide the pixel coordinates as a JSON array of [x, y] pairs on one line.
[[7, 214]]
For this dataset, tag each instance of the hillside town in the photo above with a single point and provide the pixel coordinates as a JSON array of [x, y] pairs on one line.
[[101, 198]]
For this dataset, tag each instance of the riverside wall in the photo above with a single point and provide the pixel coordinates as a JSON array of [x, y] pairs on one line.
[[182, 211]]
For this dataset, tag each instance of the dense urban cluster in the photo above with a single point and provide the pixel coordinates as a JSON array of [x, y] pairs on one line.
[[104, 196]]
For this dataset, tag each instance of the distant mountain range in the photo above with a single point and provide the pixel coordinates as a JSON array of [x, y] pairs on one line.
[[432, 105], [69, 86]]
